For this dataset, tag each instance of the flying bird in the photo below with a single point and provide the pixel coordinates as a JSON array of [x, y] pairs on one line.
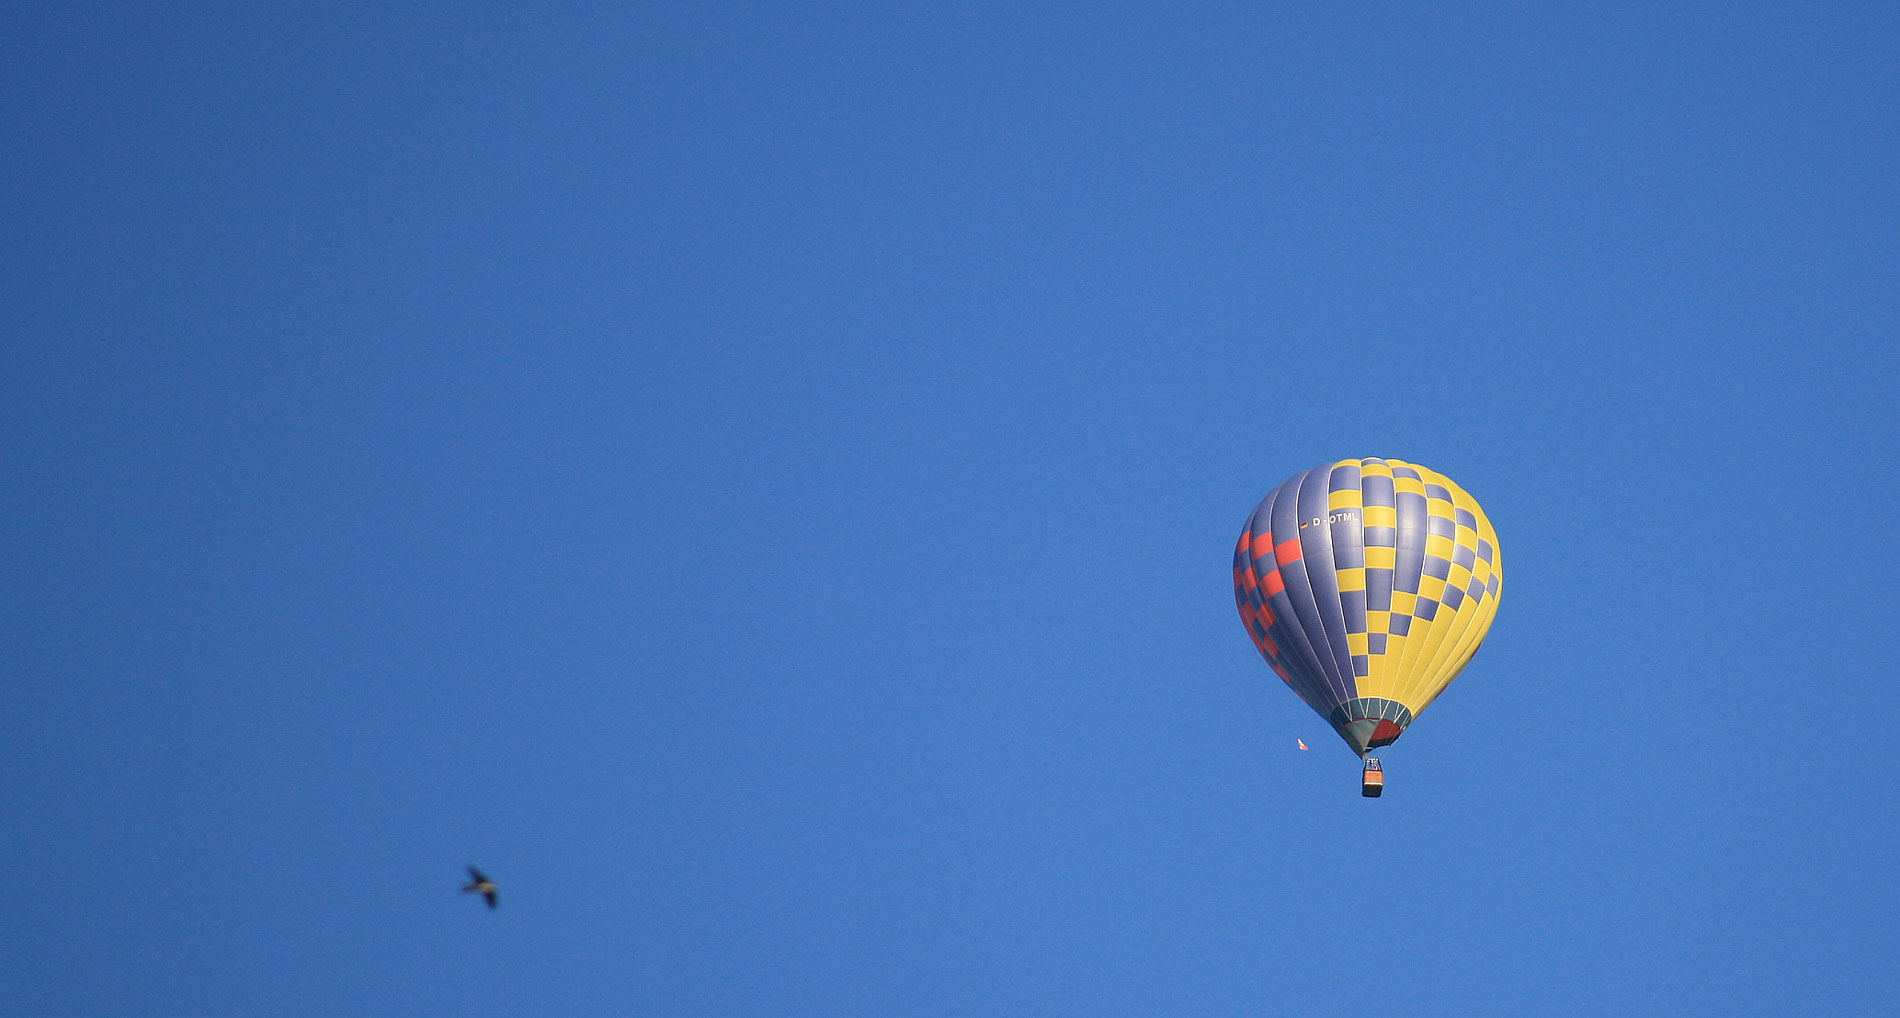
[[480, 884]]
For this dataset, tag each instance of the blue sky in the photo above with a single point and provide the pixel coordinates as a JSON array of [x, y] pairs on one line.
[[760, 482]]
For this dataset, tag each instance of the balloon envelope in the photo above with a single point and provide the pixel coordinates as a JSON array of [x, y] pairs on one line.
[[1368, 584]]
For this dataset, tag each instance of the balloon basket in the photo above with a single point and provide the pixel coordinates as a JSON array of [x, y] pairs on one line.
[[1374, 781]]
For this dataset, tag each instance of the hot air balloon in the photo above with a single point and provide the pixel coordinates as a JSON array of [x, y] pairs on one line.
[[1368, 584]]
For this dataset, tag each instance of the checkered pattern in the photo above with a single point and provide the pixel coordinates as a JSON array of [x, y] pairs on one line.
[[1367, 582]]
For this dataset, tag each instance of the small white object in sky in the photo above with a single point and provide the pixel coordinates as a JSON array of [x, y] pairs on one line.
[[1302, 743]]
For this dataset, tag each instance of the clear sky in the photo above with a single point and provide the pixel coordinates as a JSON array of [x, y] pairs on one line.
[[760, 481]]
